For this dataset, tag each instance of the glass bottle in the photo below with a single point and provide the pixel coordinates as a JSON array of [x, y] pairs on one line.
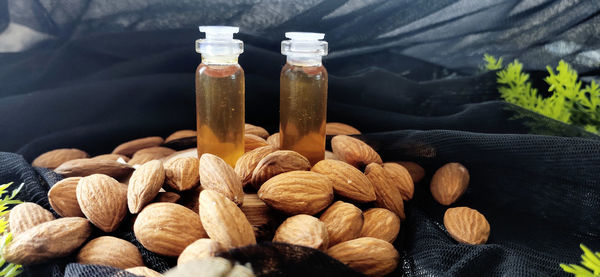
[[303, 95], [220, 94]]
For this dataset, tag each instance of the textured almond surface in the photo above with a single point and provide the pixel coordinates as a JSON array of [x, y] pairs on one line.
[[354, 151], [344, 222], [151, 153], [278, 162], [246, 164], [467, 225], [388, 195], [380, 223], [26, 215], [449, 183], [217, 175], [370, 256], [200, 249], [144, 185], [110, 251], [63, 197], [252, 142], [182, 173], [416, 171], [86, 167], [192, 152], [102, 200], [297, 192], [132, 146], [347, 180], [53, 159], [180, 134], [47, 241], [337, 128], [256, 130], [167, 228], [143, 271], [111, 157], [274, 140], [331, 156], [400, 178], [257, 212], [224, 221], [303, 230]]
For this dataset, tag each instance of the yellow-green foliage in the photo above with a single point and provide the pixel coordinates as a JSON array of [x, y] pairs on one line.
[[7, 269], [590, 264]]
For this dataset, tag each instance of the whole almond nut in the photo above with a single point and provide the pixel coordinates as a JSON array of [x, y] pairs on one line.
[[53, 159], [86, 167], [336, 128], [63, 197], [182, 173], [274, 140], [200, 249], [303, 230], [380, 223], [401, 179], [167, 196], [159, 152], [246, 164], [354, 151], [347, 180], [102, 200], [111, 157], [256, 130], [370, 256], [180, 134], [144, 185], [141, 159], [278, 162], [143, 271], [192, 152], [297, 192], [224, 221], [416, 171], [167, 228], [388, 194], [217, 175], [110, 251], [344, 222], [467, 225], [252, 142], [26, 215], [132, 146], [256, 211], [449, 183], [47, 241]]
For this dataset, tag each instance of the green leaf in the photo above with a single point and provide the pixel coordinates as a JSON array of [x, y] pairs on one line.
[[491, 63]]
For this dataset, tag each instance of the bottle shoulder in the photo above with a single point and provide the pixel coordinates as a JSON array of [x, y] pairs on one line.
[[305, 70], [219, 70]]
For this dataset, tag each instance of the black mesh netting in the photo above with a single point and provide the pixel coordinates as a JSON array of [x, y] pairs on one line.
[[92, 74]]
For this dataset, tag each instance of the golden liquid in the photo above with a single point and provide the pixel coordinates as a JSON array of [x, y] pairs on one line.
[[303, 110], [220, 111]]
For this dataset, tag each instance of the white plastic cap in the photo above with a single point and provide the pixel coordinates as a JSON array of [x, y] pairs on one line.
[[304, 44], [219, 32], [304, 36], [219, 41]]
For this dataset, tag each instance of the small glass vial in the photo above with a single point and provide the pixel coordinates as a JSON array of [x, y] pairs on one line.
[[303, 95], [220, 94]]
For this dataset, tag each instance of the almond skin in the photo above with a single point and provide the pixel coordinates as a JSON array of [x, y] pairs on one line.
[[354, 151], [224, 221], [167, 228], [181, 134], [151, 153], [182, 173], [144, 185], [344, 222], [337, 128], [246, 164], [192, 152], [217, 175], [278, 162], [143, 271], [449, 183], [467, 225], [331, 156], [297, 192], [252, 142], [102, 200], [200, 249], [111, 157], [303, 230], [63, 197], [388, 195], [380, 223], [26, 215], [274, 140], [53, 159], [401, 179], [347, 180], [86, 167], [47, 241], [110, 251], [258, 213], [370, 256], [416, 171], [132, 146], [256, 130]]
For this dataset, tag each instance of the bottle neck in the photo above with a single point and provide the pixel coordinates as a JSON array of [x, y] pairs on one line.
[[305, 60], [220, 60]]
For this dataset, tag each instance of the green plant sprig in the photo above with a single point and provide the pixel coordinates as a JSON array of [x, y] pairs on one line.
[[590, 262], [7, 269]]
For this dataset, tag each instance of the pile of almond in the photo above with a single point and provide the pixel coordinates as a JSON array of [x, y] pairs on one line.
[[189, 207]]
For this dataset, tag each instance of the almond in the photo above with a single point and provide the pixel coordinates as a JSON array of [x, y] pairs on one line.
[[102, 200], [47, 241], [303, 230], [63, 197], [370, 256], [354, 151], [111, 157], [331, 156], [217, 175], [256, 211], [182, 173], [336, 128], [141, 159], [53, 159], [132, 146], [347, 180], [297, 192], [158, 152], [344, 222], [416, 171], [388, 194], [449, 183], [200, 249], [26, 215], [167, 228], [86, 167], [401, 179], [110, 251], [192, 152], [278, 162], [380, 223], [256, 130], [252, 142], [143, 271], [224, 221], [467, 225], [246, 164], [274, 140], [167, 196], [144, 185], [180, 134]]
